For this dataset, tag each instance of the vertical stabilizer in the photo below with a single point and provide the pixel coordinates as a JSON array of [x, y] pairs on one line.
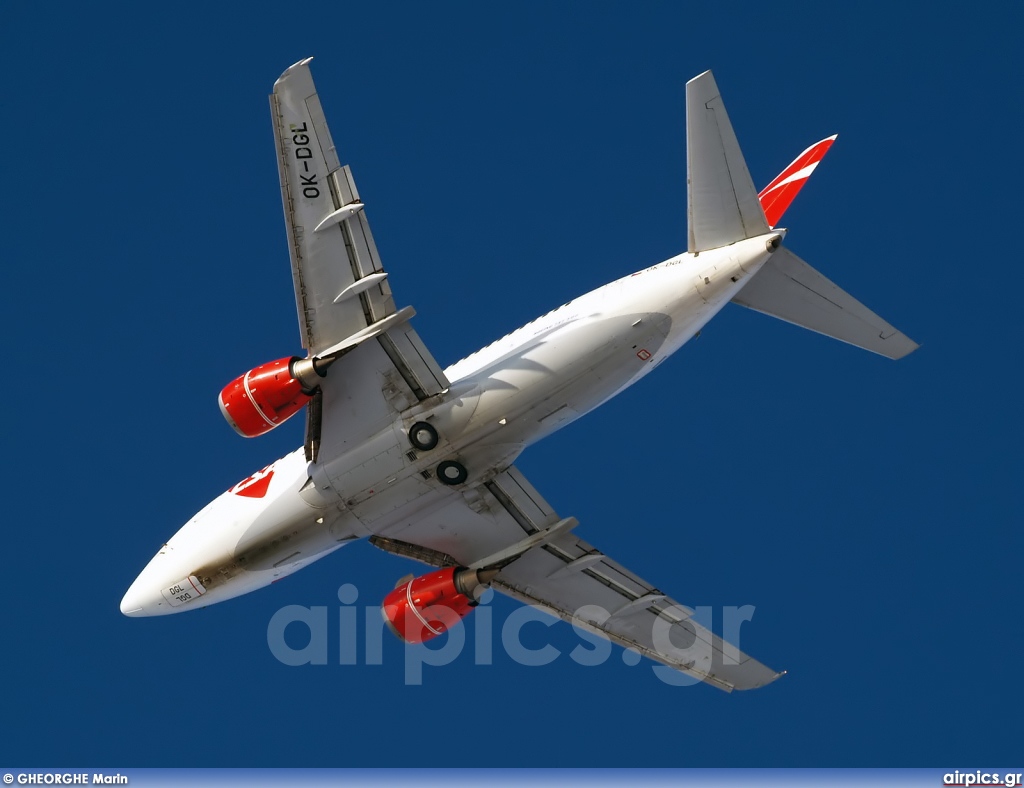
[[777, 195], [722, 204]]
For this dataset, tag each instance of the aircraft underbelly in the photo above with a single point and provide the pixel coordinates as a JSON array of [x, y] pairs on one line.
[[485, 422], [565, 376]]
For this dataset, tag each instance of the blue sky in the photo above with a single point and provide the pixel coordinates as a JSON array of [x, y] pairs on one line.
[[511, 158]]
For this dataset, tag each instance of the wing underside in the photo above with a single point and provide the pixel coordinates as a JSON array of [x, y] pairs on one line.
[[342, 293], [340, 284], [570, 578]]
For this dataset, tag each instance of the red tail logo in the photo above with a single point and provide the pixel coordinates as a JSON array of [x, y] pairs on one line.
[[778, 194]]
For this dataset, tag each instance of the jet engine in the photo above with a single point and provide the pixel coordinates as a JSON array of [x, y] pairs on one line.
[[422, 608], [270, 394]]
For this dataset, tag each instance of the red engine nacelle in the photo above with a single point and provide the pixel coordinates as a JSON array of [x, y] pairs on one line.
[[263, 398], [428, 606]]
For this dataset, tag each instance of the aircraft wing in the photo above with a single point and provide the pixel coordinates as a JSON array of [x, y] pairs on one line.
[[329, 238], [341, 289], [506, 522]]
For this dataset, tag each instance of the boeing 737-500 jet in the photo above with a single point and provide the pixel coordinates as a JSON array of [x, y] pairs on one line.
[[420, 460]]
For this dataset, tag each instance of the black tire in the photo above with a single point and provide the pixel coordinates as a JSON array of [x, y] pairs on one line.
[[423, 436], [450, 472]]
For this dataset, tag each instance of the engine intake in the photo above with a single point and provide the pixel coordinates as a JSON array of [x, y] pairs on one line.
[[267, 396], [424, 607]]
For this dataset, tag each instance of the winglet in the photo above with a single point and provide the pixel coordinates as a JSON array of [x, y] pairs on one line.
[[777, 195]]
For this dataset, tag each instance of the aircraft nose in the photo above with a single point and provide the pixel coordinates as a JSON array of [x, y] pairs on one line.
[[138, 601]]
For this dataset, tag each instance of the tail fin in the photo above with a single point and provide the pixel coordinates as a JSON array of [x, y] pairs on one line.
[[778, 194], [788, 288], [722, 206]]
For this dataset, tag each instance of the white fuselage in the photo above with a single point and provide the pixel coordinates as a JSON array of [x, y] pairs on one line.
[[502, 398]]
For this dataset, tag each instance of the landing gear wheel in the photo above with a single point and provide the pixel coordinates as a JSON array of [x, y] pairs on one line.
[[422, 436], [451, 472]]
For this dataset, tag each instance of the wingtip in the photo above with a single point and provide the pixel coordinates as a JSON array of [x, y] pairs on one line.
[[291, 70], [905, 351], [304, 62]]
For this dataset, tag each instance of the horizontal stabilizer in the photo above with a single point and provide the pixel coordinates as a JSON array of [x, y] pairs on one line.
[[722, 205], [788, 288]]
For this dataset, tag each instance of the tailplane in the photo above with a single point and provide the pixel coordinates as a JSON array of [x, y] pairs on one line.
[[723, 208], [788, 288], [722, 205]]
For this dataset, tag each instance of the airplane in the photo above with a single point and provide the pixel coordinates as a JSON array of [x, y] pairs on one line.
[[419, 460]]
